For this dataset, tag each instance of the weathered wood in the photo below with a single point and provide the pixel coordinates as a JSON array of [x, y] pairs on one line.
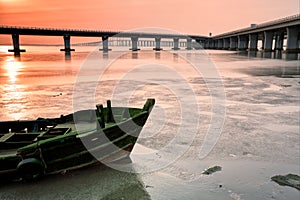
[[59, 149]]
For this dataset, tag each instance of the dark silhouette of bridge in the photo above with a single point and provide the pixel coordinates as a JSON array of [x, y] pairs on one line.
[[243, 39], [105, 35]]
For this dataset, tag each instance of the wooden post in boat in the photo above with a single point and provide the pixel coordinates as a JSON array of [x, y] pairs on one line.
[[100, 110], [109, 116]]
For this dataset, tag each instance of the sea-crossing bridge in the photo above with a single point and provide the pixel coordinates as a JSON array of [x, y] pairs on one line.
[[271, 34]]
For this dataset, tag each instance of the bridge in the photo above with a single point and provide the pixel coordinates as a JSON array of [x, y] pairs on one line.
[[105, 35], [271, 35]]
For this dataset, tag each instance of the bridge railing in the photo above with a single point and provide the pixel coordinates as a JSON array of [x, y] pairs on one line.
[[102, 32]]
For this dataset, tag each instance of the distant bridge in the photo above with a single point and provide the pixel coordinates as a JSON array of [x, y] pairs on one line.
[[105, 35], [273, 32]]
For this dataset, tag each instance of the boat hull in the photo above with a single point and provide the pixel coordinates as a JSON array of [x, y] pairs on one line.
[[76, 149]]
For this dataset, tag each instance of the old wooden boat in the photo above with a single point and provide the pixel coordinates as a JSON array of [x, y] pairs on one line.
[[31, 149]]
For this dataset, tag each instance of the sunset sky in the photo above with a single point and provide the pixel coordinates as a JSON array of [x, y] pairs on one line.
[[185, 16]]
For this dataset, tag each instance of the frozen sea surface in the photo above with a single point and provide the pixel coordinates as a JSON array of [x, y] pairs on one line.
[[212, 108]]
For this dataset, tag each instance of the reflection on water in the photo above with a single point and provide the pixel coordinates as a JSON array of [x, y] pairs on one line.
[[13, 96], [12, 65], [67, 55], [134, 55], [270, 55]]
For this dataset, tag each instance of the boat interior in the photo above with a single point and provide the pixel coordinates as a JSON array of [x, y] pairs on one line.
[[16, 134]]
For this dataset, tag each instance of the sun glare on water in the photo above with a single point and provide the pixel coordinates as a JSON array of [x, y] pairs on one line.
[[12, 66], [13, 94]]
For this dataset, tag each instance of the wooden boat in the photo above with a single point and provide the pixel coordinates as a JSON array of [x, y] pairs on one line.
[[31, 149]]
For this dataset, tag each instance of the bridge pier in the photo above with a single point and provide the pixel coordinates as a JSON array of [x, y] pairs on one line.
[[292, 45], [134, 42], [253, 42], [157, 44], [220, 44], [226, 43], [188, 44], [213, 44], [242, 43], [176, 43], [233, 43], [105, 44], [279, 42], [206, 44], [67, 43], [16, 45], [268, 41]]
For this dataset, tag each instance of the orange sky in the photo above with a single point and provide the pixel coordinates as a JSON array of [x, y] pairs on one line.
[[185, 16]]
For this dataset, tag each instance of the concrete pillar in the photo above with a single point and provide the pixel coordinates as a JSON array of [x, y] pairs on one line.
[[242, 43], [157, 44], [176, 41], [189, 43], [233, 43], [105, 44], [253, 42], [16, 45], [134, 41], [292, 45], [279, 42], [209, 44], [67, 42], [206, 44], [220, 44], [268, 40], [213, 44], [226, 43], [263, 43]]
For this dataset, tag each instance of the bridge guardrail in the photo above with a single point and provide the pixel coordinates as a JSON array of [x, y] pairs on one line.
[[102, 32]]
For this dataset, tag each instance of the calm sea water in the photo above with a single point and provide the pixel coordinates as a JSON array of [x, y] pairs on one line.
[[213, 107]]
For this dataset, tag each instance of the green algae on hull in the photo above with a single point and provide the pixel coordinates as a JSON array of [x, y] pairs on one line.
[[212, 170], [291, 180]]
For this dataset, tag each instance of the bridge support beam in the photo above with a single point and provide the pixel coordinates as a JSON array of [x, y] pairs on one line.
[[279, 42], [233, 43], [176, 42], [157, 44], [253, 42], [206, 44], [263, 43], [292, 45], [188, 44], [16, 45], [226, 43], [105, 44], [67, 42], [220, 44], [213, 44], [134, 42], [268, 41], [242, 43]]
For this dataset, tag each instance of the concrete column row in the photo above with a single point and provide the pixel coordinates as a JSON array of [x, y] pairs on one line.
[[238, 42], [250, 41]]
